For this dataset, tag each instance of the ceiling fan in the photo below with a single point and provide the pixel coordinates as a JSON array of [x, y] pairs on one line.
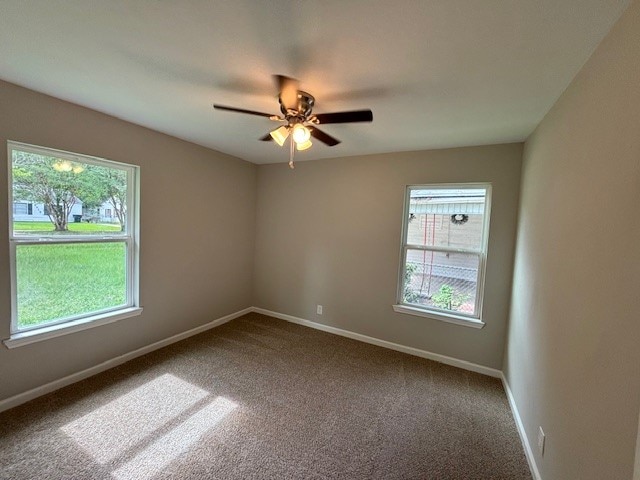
[[299, 123]]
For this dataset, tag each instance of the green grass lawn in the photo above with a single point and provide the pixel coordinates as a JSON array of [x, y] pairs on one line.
[[57, 281], [47, 227]]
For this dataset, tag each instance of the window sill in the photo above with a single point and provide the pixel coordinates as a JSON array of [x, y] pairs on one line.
[[443, 317], [45, 333]]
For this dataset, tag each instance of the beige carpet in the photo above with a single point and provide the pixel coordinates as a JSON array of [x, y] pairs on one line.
[[260, 398]]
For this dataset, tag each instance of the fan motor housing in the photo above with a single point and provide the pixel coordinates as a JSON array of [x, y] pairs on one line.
[[305, 106]]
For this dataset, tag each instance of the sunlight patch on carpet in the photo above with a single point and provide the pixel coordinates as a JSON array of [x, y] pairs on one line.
[[155, 458], [112, 429]]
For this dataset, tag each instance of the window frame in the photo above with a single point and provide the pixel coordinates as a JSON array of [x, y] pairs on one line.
[[473, 320], [130, 239]]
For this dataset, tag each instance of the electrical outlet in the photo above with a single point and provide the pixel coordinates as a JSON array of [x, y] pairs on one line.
[[319, 309], [541, 438]]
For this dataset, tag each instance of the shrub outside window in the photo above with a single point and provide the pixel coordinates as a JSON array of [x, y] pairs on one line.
[[444, 249], [68, 262]]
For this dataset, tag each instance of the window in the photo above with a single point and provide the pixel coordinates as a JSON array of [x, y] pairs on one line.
[[444, 249], [66, 273], [22, 208]]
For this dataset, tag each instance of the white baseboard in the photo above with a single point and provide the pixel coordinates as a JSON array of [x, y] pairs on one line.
[[474, 367], [89, 372], [528, 452]]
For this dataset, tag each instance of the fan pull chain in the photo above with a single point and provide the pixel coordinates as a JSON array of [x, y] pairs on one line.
[[291, 152]]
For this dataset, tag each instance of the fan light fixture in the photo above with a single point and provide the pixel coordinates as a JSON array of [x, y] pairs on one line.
[[299, 121], [280, 135], [303, 145], [301, 134]]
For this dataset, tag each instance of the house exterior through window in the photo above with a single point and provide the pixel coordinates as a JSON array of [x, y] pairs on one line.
[[444, 247], [22, 208], [66, 272]]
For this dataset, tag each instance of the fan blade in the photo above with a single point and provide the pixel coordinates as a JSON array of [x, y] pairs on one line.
[[266, 138], [288, 91], [323, 137], [345, 117], [241, 110]]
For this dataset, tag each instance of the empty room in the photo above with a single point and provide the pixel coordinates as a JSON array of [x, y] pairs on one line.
[[335, 239]]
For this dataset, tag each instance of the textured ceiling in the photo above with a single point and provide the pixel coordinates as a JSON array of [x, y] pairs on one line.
[[436, 73]]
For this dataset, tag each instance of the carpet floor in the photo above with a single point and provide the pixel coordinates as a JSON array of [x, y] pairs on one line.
[[261, 398]]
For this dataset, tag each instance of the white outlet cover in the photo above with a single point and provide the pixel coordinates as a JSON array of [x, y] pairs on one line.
[[541, 439], [319, 309]]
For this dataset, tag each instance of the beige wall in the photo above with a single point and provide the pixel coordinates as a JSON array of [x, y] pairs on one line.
[[329, 233], [197, 230], [573, 351]]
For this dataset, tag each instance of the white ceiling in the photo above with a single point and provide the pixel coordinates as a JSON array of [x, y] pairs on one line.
[[436, 73]]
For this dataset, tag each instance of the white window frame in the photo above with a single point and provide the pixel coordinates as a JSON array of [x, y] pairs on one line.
[[475, 320], [130, 238]]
